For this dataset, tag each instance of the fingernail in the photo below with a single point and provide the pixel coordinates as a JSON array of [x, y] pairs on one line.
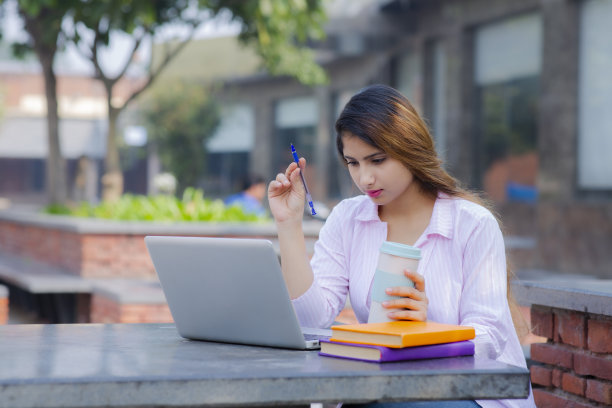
[[385, 304]]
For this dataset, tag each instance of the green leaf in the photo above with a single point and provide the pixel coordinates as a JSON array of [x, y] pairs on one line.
[[193, 206]]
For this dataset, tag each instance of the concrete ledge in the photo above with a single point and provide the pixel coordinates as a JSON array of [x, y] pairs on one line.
[[36, 277], [585, 294], [101, 226], [124, 291]]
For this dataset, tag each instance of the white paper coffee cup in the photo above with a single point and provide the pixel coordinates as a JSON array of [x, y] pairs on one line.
[[393, 259]]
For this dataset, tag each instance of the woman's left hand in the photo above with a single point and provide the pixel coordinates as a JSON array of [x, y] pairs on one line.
[[414, 301]]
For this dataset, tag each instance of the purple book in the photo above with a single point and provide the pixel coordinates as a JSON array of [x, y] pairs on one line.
[[381, 354]]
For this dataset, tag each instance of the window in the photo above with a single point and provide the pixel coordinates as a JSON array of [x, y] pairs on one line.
[[295, 121], [507, 68], [407, 78], [228, 150], [595, 96]]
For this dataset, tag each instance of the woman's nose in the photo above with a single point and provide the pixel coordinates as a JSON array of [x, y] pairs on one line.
[[366, 177]]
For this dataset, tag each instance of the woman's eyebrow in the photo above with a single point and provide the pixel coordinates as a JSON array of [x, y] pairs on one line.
[[369, 156]]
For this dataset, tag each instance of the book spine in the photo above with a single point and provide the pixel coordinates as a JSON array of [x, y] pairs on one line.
[[461, 348]]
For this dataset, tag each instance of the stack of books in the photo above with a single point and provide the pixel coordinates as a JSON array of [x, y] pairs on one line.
[[398, 341]]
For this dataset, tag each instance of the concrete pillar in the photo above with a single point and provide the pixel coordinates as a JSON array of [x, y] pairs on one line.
[[460, 132], [262, 161], [558, 111], [324, 146]]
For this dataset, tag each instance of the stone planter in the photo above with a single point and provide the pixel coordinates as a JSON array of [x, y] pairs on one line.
[[94, 248], [68, 269]]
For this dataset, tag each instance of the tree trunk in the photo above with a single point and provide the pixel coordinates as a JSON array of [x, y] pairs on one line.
[[56, 183], [112, 180], [45, 46]]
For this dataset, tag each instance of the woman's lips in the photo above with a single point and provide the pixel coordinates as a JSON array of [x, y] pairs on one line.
[[374, 193]]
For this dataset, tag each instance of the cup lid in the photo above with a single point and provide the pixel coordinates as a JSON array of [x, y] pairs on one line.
[[397, 249]]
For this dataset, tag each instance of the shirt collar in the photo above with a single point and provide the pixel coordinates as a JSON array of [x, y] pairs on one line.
[[442, 217], [368, 211]]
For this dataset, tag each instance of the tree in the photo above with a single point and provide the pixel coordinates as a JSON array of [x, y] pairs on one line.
[[180, 119], [43, 22], [277, 29]]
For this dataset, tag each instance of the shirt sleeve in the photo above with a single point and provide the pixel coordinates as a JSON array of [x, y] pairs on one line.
[[323, 301], [484, 303]]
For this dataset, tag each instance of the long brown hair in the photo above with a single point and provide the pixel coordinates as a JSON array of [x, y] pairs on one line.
[[382, 117]]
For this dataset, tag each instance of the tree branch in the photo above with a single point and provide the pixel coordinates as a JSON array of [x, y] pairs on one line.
[[154, 73], [108, 82], [137, 43]]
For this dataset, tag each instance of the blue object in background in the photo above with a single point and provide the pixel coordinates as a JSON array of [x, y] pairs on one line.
[[521, 193], [250, 205]]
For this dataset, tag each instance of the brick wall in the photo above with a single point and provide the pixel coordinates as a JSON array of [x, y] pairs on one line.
[[86, 254], [106, 310], [53, 246], [574, 367], [4, 307]]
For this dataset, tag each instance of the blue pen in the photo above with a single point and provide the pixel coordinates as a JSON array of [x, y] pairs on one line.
[[308, 197]]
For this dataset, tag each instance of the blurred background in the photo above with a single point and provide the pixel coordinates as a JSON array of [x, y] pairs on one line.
[[99, 101]]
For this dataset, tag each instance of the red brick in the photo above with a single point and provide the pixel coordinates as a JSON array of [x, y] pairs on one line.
[[556, 399], [600, 391], [570, 328], [103, 310], [599, 334], [556, 377], [554, 354], [542, 321], [596, 365], [541, 375], [574, 384], [4, 310]]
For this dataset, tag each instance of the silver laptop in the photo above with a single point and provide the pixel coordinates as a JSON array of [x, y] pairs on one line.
[[228, 290]]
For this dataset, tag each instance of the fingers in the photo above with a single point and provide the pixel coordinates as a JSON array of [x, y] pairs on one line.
[[290, 169], [403, 303], [416, 315], [279, 184], [406, 292], [294, 165], [418, 279], [412, 302], [284, 181]]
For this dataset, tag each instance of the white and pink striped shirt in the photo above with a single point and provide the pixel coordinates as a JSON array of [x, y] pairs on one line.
[[463, 263]]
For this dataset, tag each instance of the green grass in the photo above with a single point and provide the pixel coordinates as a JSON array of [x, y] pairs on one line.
[[165, 208]]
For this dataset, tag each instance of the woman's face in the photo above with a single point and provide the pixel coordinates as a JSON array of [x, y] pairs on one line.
[[383, 178]]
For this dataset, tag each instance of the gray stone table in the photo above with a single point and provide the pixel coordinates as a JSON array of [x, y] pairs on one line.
[[92, 365]]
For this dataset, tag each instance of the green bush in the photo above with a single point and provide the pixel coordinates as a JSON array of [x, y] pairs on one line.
[[192, 207]]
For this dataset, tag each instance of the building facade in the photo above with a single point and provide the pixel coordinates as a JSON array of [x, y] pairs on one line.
[[517, 95]]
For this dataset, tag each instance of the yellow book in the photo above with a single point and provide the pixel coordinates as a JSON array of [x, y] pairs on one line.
[[398, 334]]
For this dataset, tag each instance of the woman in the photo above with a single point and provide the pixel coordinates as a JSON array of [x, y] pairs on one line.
[[408, 198]]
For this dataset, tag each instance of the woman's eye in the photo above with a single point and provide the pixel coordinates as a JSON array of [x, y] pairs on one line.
[[378, 160], [351, 163]]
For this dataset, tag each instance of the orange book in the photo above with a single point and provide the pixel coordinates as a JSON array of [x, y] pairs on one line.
[[398, 334]]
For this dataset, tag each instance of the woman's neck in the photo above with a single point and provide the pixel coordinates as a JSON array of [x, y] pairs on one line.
[[408, 216]]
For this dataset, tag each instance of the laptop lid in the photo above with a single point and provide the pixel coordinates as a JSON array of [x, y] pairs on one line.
[[227, 290]]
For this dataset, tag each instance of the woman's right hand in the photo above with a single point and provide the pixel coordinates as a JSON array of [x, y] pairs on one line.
[[286, 195]]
